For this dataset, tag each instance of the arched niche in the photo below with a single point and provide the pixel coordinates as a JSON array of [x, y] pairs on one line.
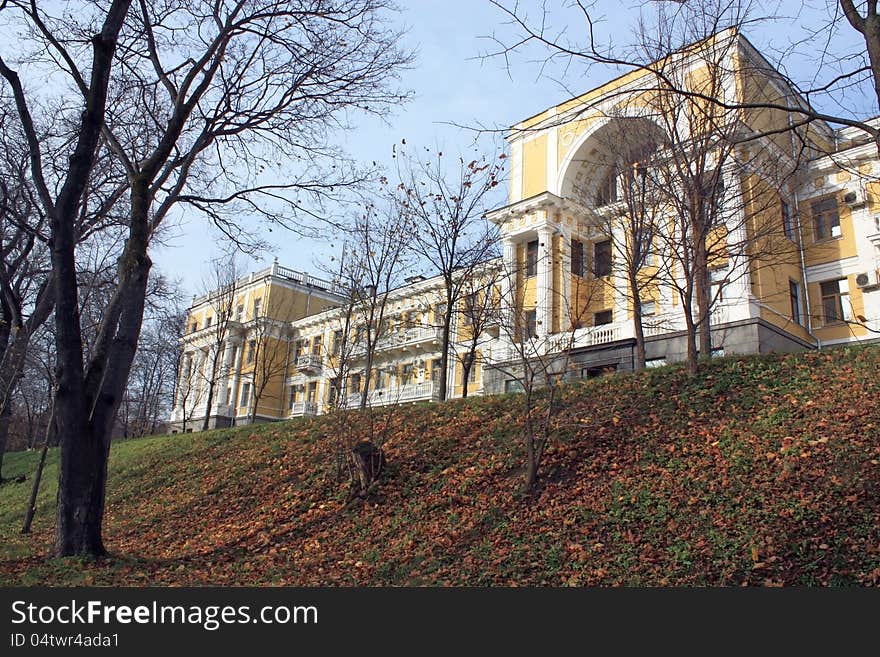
[[594, 164]]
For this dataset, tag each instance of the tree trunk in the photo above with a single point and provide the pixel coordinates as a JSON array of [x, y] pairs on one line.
[[701, 287], [83, 452], [86, 404], [212, 383], [367, 375], [38, 476], [81, 493], [691, 342], [638, 326], [444, 345]]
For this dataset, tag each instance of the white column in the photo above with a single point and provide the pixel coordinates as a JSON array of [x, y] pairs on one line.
[[545, 281], [224, 374], [508, 291], [619, 280], [185, 383], [564, 300], [737, 292], [236, 373]]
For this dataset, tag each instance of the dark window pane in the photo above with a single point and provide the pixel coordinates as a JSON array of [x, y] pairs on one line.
[[602, 258]]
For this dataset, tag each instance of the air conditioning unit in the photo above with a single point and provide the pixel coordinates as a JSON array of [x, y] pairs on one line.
[[854, 199], [868, 279]]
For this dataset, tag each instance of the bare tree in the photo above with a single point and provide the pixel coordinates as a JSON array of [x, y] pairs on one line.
[[222, 289], [538, 365], [447, 206], [203, 96], [188, 393], [479, 319], [377, 264], [632, 219], [269, 336], [150, 388]]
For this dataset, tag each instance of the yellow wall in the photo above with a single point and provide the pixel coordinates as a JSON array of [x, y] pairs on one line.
[[534, 166]]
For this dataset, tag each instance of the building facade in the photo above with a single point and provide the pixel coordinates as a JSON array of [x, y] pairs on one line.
[[789, 230]]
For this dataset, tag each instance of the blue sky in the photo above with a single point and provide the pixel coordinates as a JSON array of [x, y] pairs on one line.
[[452, 85]]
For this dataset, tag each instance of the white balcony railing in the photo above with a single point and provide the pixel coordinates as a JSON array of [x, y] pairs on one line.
[[309, 363], [301, 408], [400, 339], [419, 334], [409, 392]]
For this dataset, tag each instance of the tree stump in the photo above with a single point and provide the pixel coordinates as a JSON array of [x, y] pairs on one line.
[[366, 461]]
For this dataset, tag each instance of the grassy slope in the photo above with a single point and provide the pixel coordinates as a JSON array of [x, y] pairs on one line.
[[758, 471]]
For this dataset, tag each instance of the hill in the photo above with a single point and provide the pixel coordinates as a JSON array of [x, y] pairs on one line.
[[758, 471]]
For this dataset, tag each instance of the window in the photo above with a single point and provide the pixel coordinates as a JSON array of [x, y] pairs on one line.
[[313, 391], [607, 192], [718, 280], [252, 348], [299, 348], [578, 265], [826, 221], [601, 370], [794, 293], [316, 345], [649, 254], [239, 312], [835, 301], [257, 304], [194, 327], [788, 221], [337, 342], [513, 385], [602, 259], [245, 394], [439, 314], [208, 321], [530, 324], [335, 391], [472, 375], [655, 362], [603, 317], [292, 398], [470, 305], [532, 259], [406, 372], [355, 382], [648, 308]]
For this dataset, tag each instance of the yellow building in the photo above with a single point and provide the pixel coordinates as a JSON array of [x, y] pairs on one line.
[[295, 347], [791, 242], [794, 252]]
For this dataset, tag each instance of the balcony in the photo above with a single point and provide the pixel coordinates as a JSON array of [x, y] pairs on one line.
[[413, 338], [309, 363], [410, 392], [302, 408], [417, 335]]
